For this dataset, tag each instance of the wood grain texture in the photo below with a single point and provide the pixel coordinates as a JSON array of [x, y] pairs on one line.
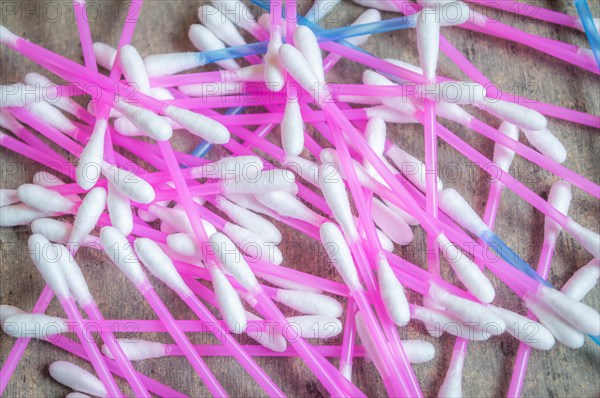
[[163, 28]]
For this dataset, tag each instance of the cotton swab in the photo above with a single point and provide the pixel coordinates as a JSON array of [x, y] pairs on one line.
[[583, 280], [77, 378], [40, 248]]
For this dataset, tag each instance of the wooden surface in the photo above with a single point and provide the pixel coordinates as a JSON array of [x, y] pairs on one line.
[[162, 28]]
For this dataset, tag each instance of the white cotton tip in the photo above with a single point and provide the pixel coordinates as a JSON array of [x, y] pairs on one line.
[[147, 121], [467, 271], [77, 378], [562, 331], [560, 197], [51, 229], [252, 244], [288, 284], [369, 16], [50, 115], [583, 280], [7, 37], [252, 73], [292, 128], [161, 93], [428, 42], [44, 199], [45, 256], [315, 326], [547, 144], [399, 103], [8, 197], [8, 121], [266, 181], [310, 303], [249, 220], [457, 208], [204, 40], [450, 111], [270, 338], [105, 55], [504, 156], [88, 214], [200, 125], [300, 70], [392, 293], [403, 214], [320, 9], [229, 167], [221, 26], [289, 205], [419, 351], [171, 63], [371, 347], [383, 5], [590, 240], [250, 202], [274, 74], [75, 279], [129, 184], [90, 161], [375, 135], [581, 316], [308, 170], [514, 113], [521, 327], [37, 326], [184, 244], [339, 254], [385, 242], [334, 190], [134, 69], [452, 13], [388, 114], [7, 311], [124, 127], [160, 265], [229, 301], [46, 179], [138, 349], [176, 217], [17, 94], [306, 42], [440, 321], [233, 261], [412, 168], [20, 214], [452, 385], [76, 394], [238, 13], [119, 210], [392, 224], [469, 311], [120, 252]]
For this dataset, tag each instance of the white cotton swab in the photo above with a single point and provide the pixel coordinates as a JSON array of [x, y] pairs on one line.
[[91, 158], [560, 197], [272, 339], [310, 303], [44, 199], [221, 26], [119, 210], [147, 121], [289, 205], [320, 9], [412, 168], [504, 156], [292, 125], [274, 71], [391, 223], [20, 214], [77, 378], [547, 144], [249, 220], [238, 13], [520, 328], [37, 326], [87, 215], [583, 280], [204, 40], [315, 326], [252, 244], [59, 232], [233, 261], [334, 190], [439, 321], [229, 301], [8, 197], [7, 311], [452, 385], [306, 42], [139, 350], [468, 311], [514, 113], [562, 330], [105, 55], [428, 42], [392, 293], [133, 68]]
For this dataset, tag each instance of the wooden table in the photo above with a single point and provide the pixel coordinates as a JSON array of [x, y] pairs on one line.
[[163, 28]]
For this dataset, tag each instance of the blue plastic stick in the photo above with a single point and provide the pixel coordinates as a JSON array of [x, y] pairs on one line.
[[589, 27]]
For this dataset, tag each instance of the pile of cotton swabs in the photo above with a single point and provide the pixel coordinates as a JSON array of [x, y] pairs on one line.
[[358, 198]]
